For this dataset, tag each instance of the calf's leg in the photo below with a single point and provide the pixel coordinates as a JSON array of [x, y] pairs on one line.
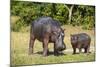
[[74, 50], [86, 50], [80, 50]]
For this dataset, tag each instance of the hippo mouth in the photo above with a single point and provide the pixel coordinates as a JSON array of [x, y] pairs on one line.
[[61, 49]]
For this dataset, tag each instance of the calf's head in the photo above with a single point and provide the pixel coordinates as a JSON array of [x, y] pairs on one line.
[[74, 39]]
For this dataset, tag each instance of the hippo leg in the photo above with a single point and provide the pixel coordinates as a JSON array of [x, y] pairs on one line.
[[88, 47], [31, 44], [74, 50], [47, 50], [55, 51], [86, 50], [80, 50], [45, 43]]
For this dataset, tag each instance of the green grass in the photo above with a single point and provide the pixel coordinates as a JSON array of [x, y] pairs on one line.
[[20, 43]]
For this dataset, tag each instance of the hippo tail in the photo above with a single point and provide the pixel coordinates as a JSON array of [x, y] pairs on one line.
[[31, 28]]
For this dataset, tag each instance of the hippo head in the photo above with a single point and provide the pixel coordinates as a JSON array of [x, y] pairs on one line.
[[58, 40], [74, 39]]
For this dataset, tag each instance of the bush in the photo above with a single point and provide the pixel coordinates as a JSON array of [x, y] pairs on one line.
[[88, 23], [18, 25]]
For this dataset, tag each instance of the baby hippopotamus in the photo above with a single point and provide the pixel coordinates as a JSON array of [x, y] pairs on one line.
[[81, 40]]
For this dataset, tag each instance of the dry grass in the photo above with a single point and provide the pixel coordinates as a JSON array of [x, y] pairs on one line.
[[14, 19]]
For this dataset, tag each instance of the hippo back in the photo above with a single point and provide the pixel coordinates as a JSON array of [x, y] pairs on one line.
[[44, 25]]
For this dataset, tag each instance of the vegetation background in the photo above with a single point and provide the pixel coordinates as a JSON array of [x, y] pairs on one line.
[[73, 18], [67, 14]]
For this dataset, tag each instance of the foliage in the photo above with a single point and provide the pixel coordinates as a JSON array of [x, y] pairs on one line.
[[29, 11]]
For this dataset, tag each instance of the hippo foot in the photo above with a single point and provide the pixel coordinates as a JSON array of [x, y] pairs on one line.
[[56, 54], [74, 53], [45, 55], [30, 53], [88, 53]]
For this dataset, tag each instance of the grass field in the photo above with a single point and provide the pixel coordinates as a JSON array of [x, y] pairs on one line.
[[20, 43]]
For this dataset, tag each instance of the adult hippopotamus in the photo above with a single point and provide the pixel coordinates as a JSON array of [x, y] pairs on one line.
[[47, 30]]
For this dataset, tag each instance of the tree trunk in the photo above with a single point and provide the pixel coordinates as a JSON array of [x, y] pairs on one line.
[[70, 9], [70, 13]]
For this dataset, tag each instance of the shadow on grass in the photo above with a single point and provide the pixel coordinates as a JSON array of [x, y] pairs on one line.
[[82, 53], [50, 53]]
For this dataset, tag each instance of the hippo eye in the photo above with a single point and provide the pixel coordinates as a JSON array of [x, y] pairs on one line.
[[59, 36]]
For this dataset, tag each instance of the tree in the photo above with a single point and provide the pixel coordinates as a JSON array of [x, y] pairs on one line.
[[70, 9]]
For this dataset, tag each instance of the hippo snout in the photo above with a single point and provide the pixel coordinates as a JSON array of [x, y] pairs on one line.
[[62, 48]]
